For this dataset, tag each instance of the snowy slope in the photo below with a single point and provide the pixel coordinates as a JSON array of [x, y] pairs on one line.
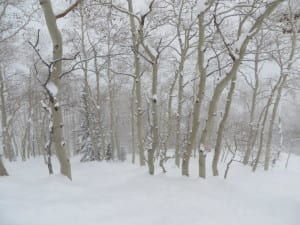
[[121, 193]]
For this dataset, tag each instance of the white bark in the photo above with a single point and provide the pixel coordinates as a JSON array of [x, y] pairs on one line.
[[252, 132], [263, 124], [184, 44], [6, 138], [220, 131], [199, 97], [90, 123], [278, 97], [138, 85], [58, 135], [207, 132]]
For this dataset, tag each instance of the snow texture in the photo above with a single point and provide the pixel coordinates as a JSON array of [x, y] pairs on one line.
[[141, 7], [154, 97], [121, 193], [201, 6], [52, 88]]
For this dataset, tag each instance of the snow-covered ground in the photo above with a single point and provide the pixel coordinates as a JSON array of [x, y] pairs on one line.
[[124, 194]]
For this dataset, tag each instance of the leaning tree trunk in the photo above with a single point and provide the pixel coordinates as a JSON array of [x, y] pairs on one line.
[[261, 137], [278, 97], [271, 125], [218, 146], [55, 80], [262, 130], [207, 132]]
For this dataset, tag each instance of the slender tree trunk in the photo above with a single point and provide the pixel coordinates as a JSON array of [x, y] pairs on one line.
[[25, 144], [99, 108], [112, 109], [15, 145], [198, 101], [261, 138], [262, 130], [168, 127], [153, 58], [87, 93], [218, 146], [252, 135], [55, 79], [3, 171], [179, 107], [6, 140], [271, 125], [278, 97], [288, 159], [178, 119], [138, 86], [29, 122], [116, 132], [184, 46], [154, 125], [207, 132], [132, 110]]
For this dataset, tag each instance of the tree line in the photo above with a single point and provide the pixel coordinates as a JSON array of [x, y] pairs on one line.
[[162, 80]]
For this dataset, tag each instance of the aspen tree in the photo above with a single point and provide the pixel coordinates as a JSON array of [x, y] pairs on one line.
[[201, 91], [285, 72], [54, 84], [252, 133], [138, 83], [237, 57], [86, 89], [6, 138]]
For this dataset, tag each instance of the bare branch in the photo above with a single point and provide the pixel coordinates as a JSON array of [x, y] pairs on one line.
[[124, 11], [65, 59], [143, 17], [64, 13], [122, 73], [20, 28], [38, 53]]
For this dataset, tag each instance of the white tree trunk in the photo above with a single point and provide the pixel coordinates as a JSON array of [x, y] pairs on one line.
[[218, 146], [6, 138], [262, 130], [207, 132], [138, 85], [278, 96], [90, 123], [199, 98], [252, 132], [58, 135]]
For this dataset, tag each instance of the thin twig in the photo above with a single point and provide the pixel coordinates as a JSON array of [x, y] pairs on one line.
[[64, 13]]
